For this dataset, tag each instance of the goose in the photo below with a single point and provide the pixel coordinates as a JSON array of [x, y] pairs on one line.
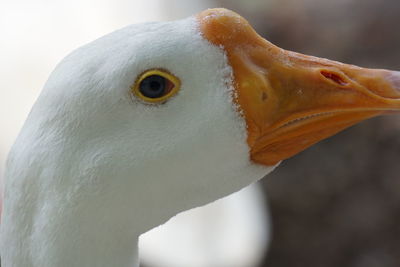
[[158, 118]]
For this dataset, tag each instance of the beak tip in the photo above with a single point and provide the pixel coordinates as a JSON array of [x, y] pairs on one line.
[[394, 79]]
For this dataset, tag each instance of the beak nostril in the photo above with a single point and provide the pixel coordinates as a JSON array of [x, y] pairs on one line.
[[264, 96], [334, 77]]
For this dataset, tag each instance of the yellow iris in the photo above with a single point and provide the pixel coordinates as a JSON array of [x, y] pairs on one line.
[[156, 86]]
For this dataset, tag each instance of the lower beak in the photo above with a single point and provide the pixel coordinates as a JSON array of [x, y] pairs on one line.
[[291, 101]]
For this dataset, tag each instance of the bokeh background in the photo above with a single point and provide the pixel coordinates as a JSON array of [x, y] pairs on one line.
[[336, 204]]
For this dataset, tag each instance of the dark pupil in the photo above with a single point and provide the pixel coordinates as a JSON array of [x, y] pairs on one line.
[[153, 86]]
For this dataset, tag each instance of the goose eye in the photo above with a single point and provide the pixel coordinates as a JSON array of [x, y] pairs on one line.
[[156, 86], [153, 86]]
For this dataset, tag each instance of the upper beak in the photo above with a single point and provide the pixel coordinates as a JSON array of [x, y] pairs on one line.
[[291, 101]]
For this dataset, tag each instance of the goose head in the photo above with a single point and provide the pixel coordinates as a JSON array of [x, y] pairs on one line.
[[158, 118]]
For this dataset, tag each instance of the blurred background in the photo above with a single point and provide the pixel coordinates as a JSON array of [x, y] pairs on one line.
[[336, 204]]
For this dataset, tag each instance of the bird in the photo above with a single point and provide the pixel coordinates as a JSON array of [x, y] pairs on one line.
[[158, 118]]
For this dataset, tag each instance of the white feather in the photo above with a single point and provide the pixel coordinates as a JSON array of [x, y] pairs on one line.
[[93, 168]]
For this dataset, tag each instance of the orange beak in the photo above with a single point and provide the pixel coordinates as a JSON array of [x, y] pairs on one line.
[[291, 101]]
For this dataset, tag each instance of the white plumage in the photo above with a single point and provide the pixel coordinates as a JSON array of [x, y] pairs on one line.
[[93, 167]]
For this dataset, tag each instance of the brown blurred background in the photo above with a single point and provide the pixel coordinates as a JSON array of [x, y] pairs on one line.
[[338, 203]]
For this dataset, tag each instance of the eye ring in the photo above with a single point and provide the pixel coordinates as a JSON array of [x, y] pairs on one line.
[[156, 86]]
